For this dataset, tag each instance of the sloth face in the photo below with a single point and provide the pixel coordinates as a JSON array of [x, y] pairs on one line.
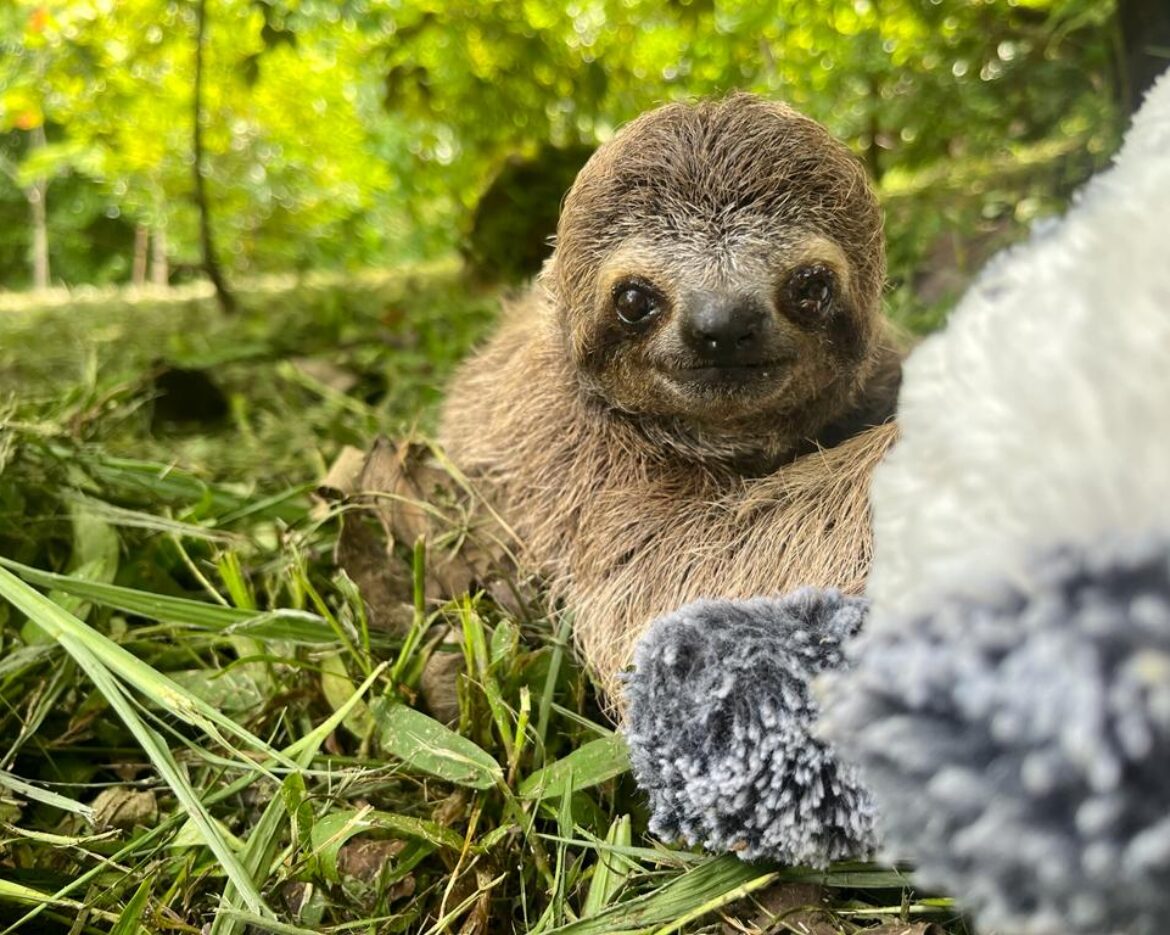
[[772, 329], [721, 264]]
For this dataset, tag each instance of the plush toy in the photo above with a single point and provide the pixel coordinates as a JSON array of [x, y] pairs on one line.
[[1006, 711], [719, 728]]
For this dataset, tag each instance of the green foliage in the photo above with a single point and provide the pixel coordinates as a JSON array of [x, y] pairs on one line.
[[344, 135]]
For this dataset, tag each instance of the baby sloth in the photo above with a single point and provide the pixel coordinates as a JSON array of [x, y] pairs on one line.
[[690, 399]]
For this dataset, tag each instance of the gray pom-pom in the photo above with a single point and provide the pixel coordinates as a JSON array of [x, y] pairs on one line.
[[720, 729], [1019, 747]]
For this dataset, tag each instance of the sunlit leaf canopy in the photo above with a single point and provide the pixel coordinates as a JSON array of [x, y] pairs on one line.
[[344, 134]]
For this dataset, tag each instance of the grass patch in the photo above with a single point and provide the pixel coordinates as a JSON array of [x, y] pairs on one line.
[[199, 730]]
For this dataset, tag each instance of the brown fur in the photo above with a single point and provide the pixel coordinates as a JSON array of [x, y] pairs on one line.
[[630, 494]]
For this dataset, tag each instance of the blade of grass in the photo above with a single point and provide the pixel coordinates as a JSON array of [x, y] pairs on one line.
[[337, 687], [521, 734], [419, 623], [137, 519], [46, 702], [16, 893], [661, 856], [287, 505], [267, 924], [592, 726], [129, 922], [356, 604], [444, 924], [565, 827], [160, 756], [58, 840], [263, 841], [255, 859], [302, 750], [167, 483], [37, 794], [338, 628], [476, 642], [716, 902], [294, 795], [707, 887], [294, 625], [78, 637], [330, 832], [550, 682], [611, 871], [96, 553], [18, 660]]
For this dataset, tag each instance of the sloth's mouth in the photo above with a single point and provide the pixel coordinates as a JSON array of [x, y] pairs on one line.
[[727, 375]]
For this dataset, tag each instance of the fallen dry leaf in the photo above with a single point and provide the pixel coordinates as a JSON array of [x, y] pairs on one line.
[[452, 809], [341, 479], [363, 858], [477, 922], [414, 497], [294, 894], [382, 580], [404, 487], [439, 682], [328, 374], [124, 808]]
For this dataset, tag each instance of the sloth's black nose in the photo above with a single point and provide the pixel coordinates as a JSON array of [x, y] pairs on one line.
[[724, 329]]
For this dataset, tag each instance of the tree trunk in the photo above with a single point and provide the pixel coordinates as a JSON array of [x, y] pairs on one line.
[[873, 81], [1145, 35], [37, 194], [873, 159], [141, 245], [160, 271], [223, 294]]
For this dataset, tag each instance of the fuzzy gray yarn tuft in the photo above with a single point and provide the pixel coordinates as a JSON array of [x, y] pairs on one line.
[[719, 729], [1019, 747]]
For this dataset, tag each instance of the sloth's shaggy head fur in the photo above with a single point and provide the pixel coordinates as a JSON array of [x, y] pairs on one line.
[[718, 270]]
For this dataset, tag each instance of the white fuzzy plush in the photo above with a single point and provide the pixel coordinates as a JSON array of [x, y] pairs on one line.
[[1041, 414]]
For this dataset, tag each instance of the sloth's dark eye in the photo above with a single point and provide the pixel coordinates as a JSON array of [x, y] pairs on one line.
[[634, 303], [809, 290]]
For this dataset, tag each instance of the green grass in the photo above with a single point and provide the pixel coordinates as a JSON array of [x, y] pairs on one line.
[[197, 725]]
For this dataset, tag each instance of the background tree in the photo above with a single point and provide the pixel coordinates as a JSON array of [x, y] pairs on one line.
[[223, 294]]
